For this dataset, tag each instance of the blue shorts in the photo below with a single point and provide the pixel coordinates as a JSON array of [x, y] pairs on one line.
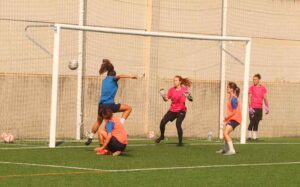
[[233, 124], [114, 145], [114, 107]]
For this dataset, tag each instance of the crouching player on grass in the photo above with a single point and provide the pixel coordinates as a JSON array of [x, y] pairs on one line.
[[232, 119], [112, 137]]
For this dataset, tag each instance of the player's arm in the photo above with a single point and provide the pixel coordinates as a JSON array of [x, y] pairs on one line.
[[249, 99], [251, 110], [109, 128], [118, 77], [266, 106], [109, 136]]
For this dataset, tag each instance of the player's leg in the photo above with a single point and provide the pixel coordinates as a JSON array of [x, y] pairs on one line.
[[115, 147], [258, 117], [126, 109], [255, 128], [102, 136], [180, 118], [94, 130], [251, 126], [169, 116], [227, 131], [224, 149]]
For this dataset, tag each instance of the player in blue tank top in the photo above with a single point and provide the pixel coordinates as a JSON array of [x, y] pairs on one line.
[[109, 89]]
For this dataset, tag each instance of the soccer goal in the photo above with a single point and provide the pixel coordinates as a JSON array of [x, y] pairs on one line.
[[155, 57]]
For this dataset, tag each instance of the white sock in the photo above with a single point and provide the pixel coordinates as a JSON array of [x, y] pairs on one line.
[[249, 134], [122, 120], [254, 134], [226, 147], [230, 145], [91, 135]]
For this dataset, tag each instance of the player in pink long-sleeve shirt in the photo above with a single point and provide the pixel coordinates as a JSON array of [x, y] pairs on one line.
[[178, 95]]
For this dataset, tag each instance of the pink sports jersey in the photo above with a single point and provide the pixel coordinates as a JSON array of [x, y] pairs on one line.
[[118, 131], [178, 99], [233, 114], [257, 95]]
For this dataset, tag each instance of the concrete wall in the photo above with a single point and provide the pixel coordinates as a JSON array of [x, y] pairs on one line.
[[25, 111]]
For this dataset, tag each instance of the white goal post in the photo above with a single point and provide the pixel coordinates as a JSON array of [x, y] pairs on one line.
[[55, 70]]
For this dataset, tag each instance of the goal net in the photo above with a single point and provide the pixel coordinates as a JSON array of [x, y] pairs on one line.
[[155, 57]]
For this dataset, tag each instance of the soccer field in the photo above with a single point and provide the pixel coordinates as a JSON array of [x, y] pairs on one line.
[[269, 162]]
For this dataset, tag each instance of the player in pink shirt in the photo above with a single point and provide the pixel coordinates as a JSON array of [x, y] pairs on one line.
[[177, 94], [257, 101]]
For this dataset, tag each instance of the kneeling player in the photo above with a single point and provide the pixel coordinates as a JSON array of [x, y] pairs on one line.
[[112, 136]]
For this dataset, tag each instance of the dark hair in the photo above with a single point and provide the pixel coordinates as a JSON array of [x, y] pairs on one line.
[[235, 88], [107, 113], [258, 76], [184, 81], [107, 67], [111, 73]]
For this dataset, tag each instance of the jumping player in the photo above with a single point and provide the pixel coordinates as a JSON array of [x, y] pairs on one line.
[[177, 94], [257, 96], [232, 119], [107, 98]]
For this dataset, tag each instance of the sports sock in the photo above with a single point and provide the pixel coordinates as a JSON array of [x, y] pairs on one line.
[[91, 135], [226, 147], [122, 120], [230, 145], [249, 134], [254, 134]]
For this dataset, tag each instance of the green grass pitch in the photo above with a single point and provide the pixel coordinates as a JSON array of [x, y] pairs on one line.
[[270, 162]]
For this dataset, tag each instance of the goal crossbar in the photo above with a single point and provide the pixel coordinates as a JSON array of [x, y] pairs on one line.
[[148, 33]]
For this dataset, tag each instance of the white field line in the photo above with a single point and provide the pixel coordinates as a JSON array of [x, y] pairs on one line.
[[149, 169], [62, 147], [137, 145], [78, 141]]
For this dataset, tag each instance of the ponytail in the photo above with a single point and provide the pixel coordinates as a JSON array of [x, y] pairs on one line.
[[106, 67], [184, 81], [237, 91], [235, 88]]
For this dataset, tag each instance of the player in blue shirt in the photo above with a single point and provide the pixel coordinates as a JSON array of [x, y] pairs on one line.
[[107, 99]]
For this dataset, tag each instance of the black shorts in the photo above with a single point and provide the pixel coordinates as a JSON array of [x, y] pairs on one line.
[[114, 107], [258, 114], [171, 116], [233, 124], [114, 145]]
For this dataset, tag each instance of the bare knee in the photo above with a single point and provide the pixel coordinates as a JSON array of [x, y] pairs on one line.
[[102, 132], [102, 136], [128, 108], [226, 135]]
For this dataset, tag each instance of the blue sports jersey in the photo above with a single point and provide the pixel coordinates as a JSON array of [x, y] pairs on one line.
[[109, 90]]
